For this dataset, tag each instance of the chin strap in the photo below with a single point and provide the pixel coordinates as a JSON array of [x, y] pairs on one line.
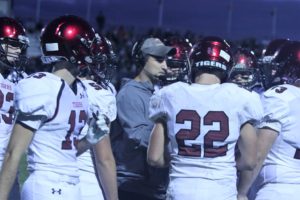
[[3, 64]]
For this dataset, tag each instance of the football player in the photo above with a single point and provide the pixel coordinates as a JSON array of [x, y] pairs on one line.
[[101, 95], [14, 42], [52, 108], [278, 139], [203, 122]]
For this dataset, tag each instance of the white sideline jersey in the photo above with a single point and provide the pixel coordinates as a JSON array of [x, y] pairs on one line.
[[282, 114], [203, 123], [101, 100], [6, 113], [47, 104]]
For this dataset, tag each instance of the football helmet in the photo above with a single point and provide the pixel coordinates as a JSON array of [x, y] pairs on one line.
[[104, 61], [13, 34], [245, 71], [274, 46], [68, 38], [211, 55], [178, 63], [287, 61], [267, 65]]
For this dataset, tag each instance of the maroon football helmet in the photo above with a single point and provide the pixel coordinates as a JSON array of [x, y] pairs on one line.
[[104, 61], [68, 38], [211, 55], [12, 33], [267, 65], [274, 46], [245, 71], [178, 63], [288, 61]]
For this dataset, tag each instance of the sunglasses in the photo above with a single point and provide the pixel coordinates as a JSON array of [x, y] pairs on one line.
[[159, 59]]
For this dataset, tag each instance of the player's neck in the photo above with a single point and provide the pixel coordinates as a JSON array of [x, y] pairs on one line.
[[207, 79], [297, 83], [65, 75], [83, 78]]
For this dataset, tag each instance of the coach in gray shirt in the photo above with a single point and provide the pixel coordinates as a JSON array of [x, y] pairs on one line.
[[136, 179]]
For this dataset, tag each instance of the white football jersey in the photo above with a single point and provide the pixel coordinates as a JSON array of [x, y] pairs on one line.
[[100, 100], [112, 88], [281, 113], [47, 104], [6, 113], [203, 123]]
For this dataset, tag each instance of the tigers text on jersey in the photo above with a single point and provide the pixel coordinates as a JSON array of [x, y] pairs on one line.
[[100, 100], [47, 104], [281, 113], [6, 113], [203, 123]]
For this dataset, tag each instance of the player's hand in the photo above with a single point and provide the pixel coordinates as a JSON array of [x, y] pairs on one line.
[[98, 128], [242, 197]]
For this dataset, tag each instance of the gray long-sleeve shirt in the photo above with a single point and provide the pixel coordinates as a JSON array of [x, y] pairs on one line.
[[130, 147]]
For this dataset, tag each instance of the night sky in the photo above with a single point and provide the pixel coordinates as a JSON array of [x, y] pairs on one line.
[[250, 18]]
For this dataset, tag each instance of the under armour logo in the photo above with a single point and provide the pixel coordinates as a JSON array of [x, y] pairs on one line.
[[81, 96], [54, 191]]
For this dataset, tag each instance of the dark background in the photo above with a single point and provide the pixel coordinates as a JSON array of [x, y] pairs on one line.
[[260, 19]]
